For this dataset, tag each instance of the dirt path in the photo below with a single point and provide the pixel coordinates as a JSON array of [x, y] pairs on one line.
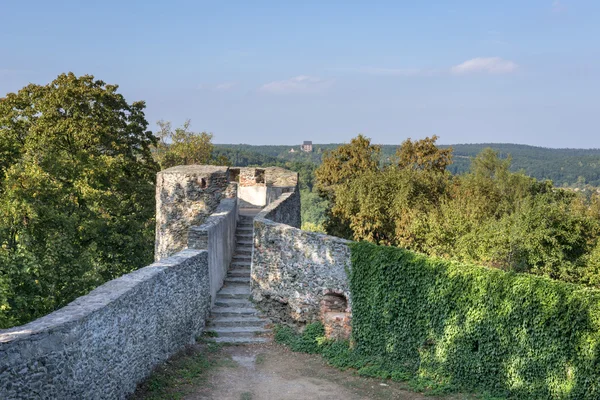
[[272, 372]]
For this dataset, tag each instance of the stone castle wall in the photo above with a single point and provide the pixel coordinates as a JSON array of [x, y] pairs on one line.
[[102, 344], [217, 235], [295, 272], [186, 196]]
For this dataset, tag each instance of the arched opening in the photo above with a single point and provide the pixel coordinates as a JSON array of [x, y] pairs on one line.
[[334, 302], [335, 315]]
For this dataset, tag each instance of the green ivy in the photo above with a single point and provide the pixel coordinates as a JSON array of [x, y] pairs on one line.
[[467, 327], [307, 342]]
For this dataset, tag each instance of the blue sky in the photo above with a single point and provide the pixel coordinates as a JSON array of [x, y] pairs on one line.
[[280, 72]]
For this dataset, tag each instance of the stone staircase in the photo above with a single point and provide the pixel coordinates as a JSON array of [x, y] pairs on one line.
[[234, 318]]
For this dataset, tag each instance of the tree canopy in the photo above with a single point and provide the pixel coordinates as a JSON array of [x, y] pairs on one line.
[[489, 215], [182, 146], [76, 193]]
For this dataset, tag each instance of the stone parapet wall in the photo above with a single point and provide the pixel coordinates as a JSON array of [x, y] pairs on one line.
[[293, 270], [217, 235], [285, 210], [186, 196], [102, 344]]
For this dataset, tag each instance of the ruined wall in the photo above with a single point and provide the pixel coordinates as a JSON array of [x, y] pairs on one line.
[[294, 270], [217, 235], [102, 344], [259, 187], [185, 197]]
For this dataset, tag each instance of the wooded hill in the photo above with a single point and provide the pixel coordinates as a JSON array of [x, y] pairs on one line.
[[565, 167]]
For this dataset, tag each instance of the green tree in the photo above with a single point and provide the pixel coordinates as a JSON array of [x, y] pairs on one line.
[[76, 193], [184, 147], [424, 155], [340, 166]]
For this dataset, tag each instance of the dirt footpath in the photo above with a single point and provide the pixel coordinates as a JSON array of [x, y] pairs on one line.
[[272, 372]]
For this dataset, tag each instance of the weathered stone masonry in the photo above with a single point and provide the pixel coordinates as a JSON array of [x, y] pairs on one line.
[[185, 197], [102, 344], [295, 273]]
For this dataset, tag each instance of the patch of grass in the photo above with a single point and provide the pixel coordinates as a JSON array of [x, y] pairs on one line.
[[246, 396], [260, 359], [177, 376]]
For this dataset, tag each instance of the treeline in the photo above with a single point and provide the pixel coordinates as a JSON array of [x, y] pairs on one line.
[[565, 167], [489, 216]]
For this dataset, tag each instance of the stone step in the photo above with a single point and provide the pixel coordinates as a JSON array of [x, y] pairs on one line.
[[244, 242], [241, 262], [239, 270], [248, 228], [240, 265], [243, 252], [239, 273], [241, 320], [233, 311], [234, 292], [241, 340], [227, 302], [238, 331], [238, 280], [237, 256], [247, 263]]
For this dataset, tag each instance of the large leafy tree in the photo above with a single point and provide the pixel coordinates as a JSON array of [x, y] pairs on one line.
[[76, 193]]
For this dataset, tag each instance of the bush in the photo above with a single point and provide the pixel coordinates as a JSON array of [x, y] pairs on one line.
[[474, 328], [307, 342]]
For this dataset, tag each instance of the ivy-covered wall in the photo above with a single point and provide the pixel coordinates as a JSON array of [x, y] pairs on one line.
[[472, 327]]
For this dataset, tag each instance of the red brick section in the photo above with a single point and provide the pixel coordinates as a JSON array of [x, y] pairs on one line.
[[335, 315]]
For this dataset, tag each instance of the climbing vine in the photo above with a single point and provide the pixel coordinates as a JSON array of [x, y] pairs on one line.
[[475, 328]]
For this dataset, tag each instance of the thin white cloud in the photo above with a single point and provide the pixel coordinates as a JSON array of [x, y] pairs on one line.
[[491, 65], [222, 87], [393, 71], [219, 87], [297, 84]]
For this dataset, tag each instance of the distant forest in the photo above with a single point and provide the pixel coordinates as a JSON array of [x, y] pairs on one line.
[[564, 167]]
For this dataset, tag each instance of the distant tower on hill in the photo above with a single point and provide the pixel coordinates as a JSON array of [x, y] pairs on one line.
[[307, 146]]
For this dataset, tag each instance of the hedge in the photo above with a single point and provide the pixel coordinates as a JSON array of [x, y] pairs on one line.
[[475, 328]]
